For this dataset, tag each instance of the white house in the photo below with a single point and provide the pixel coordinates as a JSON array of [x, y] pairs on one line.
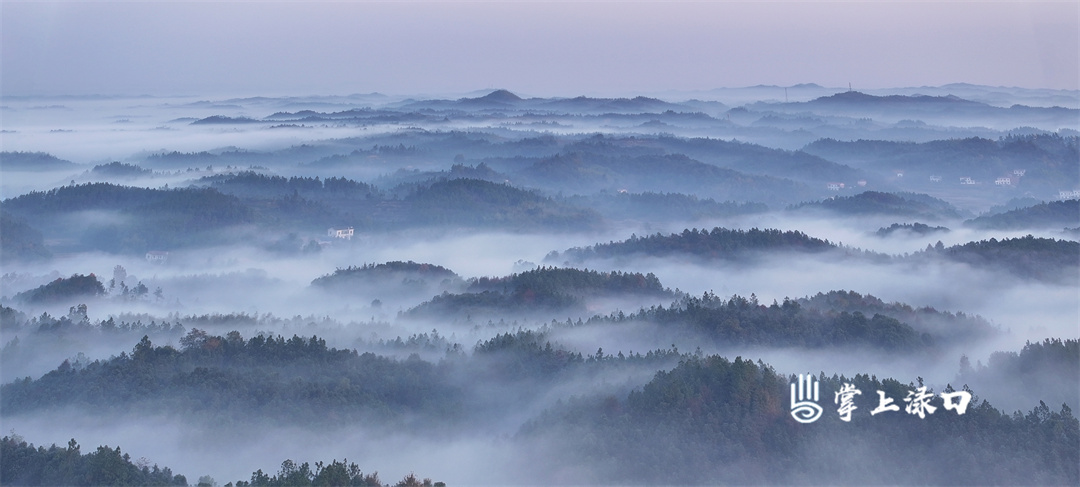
[[835, 186], [345, 233], [157, 257]]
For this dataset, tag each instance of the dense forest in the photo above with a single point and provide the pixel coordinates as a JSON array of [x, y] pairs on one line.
[[718, 243], [25, 465], [118, 169], [220, 377], [149, 218], [714, 416], [909, 205], [542, 289], [75, 287], [913, 228], [1038, 258], [1054, 214], [393, 276], [1043, 369], [33, 161], [944, 326], [1048, 159], [19, 241], [727, 421], [224, 212], [739, 320], [651, 206], [475, 202]]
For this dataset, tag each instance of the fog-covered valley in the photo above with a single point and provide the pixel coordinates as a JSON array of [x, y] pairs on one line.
[[496, 288]]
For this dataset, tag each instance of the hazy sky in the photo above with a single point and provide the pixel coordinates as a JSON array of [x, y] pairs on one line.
[[541, 48]]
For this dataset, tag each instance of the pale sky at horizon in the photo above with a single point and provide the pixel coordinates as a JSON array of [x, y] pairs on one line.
[[539, 49]]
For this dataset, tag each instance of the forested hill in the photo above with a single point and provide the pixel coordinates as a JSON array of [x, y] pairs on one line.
[[649, 206], [475, 202], [250, 184], [1054, 214], [190, 208], [178, 217], [1030, 257], [438, 201], [910, 228], [89, 196], [1047, 370], [542, 289], [20, 242], [756, 159], [745, 321], [34, 161], [1049, 160], [391, 277], [25, 465], [118, 169], [586, 172], [719, 420], [728, 422], [136, 220], [568, 280], [718, 243], [909, 205], [944, 326], [265, 376], [62, 289], [246, 382]]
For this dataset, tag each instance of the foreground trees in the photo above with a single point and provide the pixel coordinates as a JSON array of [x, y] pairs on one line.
[[23, 464]]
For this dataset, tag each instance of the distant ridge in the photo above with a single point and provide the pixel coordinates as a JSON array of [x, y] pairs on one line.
[[495, 99], [856, 97], [33, 161], [502, 96]]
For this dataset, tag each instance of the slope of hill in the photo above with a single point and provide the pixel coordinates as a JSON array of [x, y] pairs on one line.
[[34, 161], [541, 289], [588, 172], [718, 243], [1030, 257], [391, 278], [910, 205], [475, 202], [1055, 214]]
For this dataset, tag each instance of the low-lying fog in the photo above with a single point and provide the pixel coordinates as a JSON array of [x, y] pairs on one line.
[[256, 282], [271, 292]]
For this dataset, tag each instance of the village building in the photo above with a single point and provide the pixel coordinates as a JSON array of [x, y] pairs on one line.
[[345, 233]]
